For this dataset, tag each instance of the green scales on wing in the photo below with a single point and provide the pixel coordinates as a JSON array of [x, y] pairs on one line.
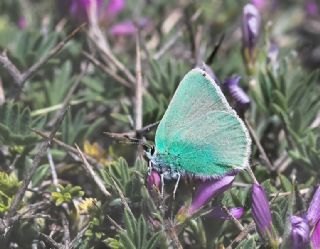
[[200, 134]]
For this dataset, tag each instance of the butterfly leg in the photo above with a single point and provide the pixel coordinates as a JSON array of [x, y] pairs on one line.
[[149, 167], [176, 186], [162, 185]]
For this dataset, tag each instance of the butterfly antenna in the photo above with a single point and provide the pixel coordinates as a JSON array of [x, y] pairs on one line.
[[132, 140], [176, 186]]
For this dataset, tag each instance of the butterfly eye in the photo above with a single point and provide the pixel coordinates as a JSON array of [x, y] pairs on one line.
[[153, 149]]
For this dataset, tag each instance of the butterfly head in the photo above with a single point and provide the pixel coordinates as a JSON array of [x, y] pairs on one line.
[[150, 150]]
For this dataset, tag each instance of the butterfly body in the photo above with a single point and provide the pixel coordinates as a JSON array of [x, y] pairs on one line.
[[199, 134]]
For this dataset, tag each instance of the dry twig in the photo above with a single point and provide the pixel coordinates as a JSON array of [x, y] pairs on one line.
[[139, 87], [259, 146], [107, 70], [88, 168], [36, 161]]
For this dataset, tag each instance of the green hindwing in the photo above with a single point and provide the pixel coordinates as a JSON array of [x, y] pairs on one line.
[[201, 131]]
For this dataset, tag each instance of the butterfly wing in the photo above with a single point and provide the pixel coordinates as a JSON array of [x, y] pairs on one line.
[[201, 130]]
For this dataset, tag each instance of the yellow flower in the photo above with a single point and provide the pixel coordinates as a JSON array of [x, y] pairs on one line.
[[86, 205], [96, 151]]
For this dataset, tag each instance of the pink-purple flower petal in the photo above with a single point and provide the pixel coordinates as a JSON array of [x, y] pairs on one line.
[[300, 232], [313, 213], [232, 86], [251, 22], [114, 7], [153, 180], [315, 237], [261, 211], [209, 189]]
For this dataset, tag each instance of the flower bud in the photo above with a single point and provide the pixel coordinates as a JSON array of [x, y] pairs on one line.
[[232, 87], [153, 180], [300, 231], [313, 213], [251, 22], [261, 212]]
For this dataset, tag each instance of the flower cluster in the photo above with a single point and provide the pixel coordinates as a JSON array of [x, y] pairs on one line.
[[102, 11], [306, 227]]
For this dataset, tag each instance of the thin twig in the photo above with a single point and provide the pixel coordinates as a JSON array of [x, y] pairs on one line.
[[176, 36], [66, 231], [69, 148], [11, 68], [107, 70], [53, 108], [114, 223], [259, 146], [98, 39], [139, 88], [50, 241], [234, 219], [88, 168], [243, 234], [171, 232], [253, 177], [36, 161], [52, 168], [122, 197], [76, 240]]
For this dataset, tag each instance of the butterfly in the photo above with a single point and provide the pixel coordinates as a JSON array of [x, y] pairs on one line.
[[200, 134]]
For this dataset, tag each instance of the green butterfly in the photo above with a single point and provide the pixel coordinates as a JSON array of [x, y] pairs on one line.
[[199, 134]]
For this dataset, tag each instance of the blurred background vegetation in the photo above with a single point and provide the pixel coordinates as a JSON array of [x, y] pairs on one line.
[[63, 200]]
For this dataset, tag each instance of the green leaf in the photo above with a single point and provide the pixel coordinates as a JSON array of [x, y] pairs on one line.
[[285, 183], [41, 173], [277, 222], [15, 125], [125, 242], [247, 244], [153, 241]]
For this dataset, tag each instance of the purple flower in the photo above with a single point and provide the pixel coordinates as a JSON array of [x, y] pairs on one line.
[[207, 190], [311, 8], [89, 10], [272, 56], [261, 211], [220, 213], [22, 22], [300, 232], [232, 87], [251, 22], [315, 237], [313, 213], [127, 27], [208, 69], [115, 6], [153, 180], [260, 4], [80, 9]]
